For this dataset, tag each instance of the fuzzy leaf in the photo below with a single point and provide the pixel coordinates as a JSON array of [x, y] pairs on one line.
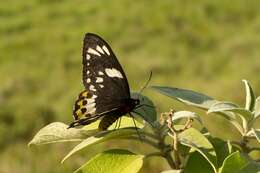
[[194, 139], [187, 96], [147, 111], [113, 161], [101, 137], [250, 96], [257, 108], [58, 132], [186, 114], [230, 107]]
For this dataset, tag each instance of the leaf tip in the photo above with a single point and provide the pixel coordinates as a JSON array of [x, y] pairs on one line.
[[65, 158]]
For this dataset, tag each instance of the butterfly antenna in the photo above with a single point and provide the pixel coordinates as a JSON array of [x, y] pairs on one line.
[[136, 126], [147, 82]]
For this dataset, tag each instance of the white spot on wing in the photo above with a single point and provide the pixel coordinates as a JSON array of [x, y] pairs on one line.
[[112, 72], [100, 73], [92, 88], [100, 49], [92, 111], [92, 51], [90, 100], [88, 56], [88, 72], [99, 80], [91, 105], [87, 64], [106, 49], [88, 80], [101, 86]]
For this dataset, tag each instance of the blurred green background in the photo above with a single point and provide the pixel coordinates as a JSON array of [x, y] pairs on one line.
[[207, 46]]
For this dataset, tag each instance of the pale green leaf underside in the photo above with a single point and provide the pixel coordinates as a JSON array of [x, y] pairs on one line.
[[58, 132], [230, 107], [186, 114], [113, 161], [101, 137], [187, 96], [250, 96], [257, 108]]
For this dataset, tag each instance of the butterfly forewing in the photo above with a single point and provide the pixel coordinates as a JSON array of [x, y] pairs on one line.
[[103, 75]]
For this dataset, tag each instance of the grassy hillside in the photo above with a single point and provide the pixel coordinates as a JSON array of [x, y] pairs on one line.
[[207, 46]]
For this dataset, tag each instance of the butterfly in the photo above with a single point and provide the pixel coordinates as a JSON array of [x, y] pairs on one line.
[[107, 94]]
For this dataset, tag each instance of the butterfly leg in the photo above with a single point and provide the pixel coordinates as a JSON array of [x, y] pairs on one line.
[[150, 106], [135, 126]]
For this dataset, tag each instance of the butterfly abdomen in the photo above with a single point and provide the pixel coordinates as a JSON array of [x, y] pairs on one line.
[[107, 121]]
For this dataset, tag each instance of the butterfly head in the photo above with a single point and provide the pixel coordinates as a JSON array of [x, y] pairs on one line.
[[133, 103]]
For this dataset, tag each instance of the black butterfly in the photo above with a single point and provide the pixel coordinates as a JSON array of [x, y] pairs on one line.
[[107, 94]]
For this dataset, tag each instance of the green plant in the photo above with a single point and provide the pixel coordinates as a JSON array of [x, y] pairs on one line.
[[185, 148]]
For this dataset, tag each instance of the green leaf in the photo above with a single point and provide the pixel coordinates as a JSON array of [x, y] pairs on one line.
[[231, 111], [187, 96], [148, 112], [222, 148], [101, 137], [186, 114], [239, 163], [230, 107], [250, 96], [124, 122], [113, 161], [194, 139], [253, 167], [172, 171], [197, 163], [257, 108], [58, 132]]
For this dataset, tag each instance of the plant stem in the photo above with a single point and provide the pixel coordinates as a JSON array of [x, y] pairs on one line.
[[170, 160], [175, 151], [165, 149]]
